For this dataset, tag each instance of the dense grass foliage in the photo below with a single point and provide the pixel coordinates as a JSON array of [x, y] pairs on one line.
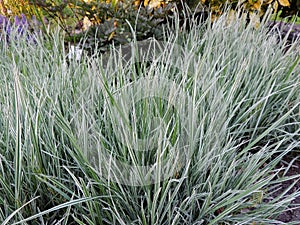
[[68, 128]]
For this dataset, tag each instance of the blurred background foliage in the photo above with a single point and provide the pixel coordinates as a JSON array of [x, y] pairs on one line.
[[64, 9], [111, 21], [22, 6]]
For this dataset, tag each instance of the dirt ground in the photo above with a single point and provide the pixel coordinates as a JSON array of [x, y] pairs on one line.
[[292, 214]]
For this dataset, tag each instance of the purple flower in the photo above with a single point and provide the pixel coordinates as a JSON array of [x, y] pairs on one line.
[[23, 19], [17, 20], [3, 19], [3, 22], [5, 27], [22, 25]]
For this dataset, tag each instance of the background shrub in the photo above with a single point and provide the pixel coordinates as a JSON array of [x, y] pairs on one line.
[[107, 22]]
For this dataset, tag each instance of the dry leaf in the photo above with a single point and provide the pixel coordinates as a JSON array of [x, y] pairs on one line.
[[284, 2]]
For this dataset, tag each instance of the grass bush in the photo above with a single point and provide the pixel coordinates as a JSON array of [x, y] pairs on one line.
[[66, 129]]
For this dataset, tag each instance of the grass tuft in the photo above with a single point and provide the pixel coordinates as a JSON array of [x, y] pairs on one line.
[[186, 131]]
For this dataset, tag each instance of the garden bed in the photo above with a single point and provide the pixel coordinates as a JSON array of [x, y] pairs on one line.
[[292, 214], [221, 102]]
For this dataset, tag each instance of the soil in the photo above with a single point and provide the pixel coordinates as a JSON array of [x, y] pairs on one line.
[[292, 30], [285, 30], [292, 213]]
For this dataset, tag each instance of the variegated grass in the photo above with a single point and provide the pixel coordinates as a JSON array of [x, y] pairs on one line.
[[244, 118]]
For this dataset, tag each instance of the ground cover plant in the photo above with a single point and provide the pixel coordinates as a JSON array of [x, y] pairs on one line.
[[184, 131]]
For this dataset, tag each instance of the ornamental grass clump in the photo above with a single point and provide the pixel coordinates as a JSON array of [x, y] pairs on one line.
[[185, 131]]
